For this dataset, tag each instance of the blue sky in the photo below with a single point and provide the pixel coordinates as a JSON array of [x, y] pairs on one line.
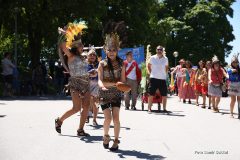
[[235, 22]]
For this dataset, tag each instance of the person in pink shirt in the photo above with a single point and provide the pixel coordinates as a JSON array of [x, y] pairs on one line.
[[179, 74], [187, 84]]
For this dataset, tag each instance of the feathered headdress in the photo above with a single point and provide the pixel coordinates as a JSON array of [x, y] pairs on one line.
[[73, 31], [235, 58], [71, 34], [215, 59], [92, 50], [112, 41]]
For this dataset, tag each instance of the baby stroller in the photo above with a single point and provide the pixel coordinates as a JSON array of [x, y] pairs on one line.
[[144, 95]]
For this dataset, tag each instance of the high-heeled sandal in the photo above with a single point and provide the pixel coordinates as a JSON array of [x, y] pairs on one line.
[[106, 140], [58, 125], [82, 133], [87, 120], [115, 145], [95, 123]]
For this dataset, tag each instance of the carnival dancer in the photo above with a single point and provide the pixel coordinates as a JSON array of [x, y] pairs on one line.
[[70, 44], [110, 71], [92, 68], [179, 76], [187, 84], [215, 76], [200, 87], [234, 84]]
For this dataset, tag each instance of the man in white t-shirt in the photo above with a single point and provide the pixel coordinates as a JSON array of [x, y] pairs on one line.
[[132, 79], [7, 72], [158, 67]]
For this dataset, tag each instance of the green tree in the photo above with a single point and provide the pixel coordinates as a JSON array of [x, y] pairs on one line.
[[195, 28]]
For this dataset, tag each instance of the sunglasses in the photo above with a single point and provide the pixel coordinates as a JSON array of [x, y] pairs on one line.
[[159, 49]]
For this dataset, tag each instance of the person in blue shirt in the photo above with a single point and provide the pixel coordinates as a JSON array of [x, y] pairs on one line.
[[92, 69], [234, 84]]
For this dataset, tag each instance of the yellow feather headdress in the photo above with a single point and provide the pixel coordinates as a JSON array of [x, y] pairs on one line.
[[73, 30]]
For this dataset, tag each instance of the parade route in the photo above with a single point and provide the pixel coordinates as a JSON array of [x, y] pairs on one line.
[[189, 132]]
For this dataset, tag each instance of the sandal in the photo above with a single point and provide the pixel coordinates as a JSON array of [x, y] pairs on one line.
[[203, 106], [58, 125], [215, 110], [115, 145], [106, 140], [95, 123], [82, 133], [87, 120]]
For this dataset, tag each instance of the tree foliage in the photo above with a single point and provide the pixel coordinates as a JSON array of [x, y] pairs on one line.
[[192, 27]]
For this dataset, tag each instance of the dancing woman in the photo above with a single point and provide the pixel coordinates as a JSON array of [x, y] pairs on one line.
[[215, 76], [208, 67], [92, 68], [234, 84], [71, 45], [187, 83], [200, 88], [179, 76], [110, 71]]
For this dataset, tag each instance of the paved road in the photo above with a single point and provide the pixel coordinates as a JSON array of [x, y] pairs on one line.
[[189, 132]]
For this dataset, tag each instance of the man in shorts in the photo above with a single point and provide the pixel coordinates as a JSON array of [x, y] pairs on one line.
[[158, 67]]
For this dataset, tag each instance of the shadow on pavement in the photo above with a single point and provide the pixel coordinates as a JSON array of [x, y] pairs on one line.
[[88, 139], [99, 126], [98, 117], [2, 103], [2, 116], [138, 154], [170, 113], [91, 139]]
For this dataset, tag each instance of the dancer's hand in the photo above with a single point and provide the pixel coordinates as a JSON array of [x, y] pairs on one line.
[[104, 88], [234, 70], [92, 72]]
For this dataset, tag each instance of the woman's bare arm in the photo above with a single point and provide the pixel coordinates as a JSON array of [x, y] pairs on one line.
[[66, 50], [123, 76]]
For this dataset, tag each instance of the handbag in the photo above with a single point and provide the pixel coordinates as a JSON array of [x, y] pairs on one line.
[[223, 85]]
